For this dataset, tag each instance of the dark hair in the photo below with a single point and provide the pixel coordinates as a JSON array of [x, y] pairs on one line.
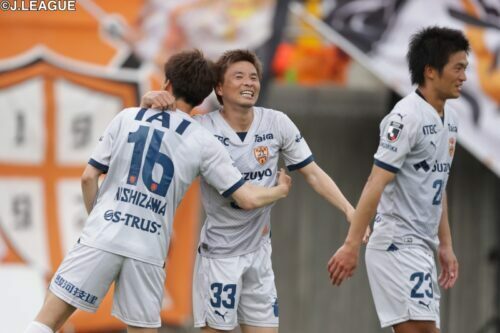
[[192, 76], [229, 58], [433, 46]]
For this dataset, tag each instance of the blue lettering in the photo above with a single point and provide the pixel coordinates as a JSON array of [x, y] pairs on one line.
[[128, 217], [142, 200], [429, 129], [135, 222], [144, 226], [223, 140], [264, 137], [164, 117], [257, 175], [116, 216]]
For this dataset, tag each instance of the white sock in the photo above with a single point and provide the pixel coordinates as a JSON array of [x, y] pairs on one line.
[[36, 327]]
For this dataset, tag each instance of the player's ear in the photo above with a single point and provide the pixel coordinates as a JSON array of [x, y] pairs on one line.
[[166, 84], [218, 89], [430, 72]]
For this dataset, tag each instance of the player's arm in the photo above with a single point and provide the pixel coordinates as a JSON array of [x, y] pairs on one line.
[[326, 187], [344, 261], [90, 185], [446, 255], [250, 196]]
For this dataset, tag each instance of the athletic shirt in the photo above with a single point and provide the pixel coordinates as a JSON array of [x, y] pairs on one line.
[[228, 230], [151, 158], [417, 145]]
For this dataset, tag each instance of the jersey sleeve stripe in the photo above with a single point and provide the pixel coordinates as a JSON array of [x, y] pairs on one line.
[[97, 165], [301, 164], [233, 188], [385, 166]]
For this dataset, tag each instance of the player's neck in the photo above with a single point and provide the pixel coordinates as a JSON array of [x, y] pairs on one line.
[[183, 106], [240, 119], [431, 96]]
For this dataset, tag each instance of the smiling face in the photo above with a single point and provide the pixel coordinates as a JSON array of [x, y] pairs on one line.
[[241, 85], [448, 83]]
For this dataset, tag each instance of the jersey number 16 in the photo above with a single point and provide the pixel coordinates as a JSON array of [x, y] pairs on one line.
[[153, 157]]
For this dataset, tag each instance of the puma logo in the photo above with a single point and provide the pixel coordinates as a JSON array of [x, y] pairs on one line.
[[426, 305], [400, 115], [223, 316]]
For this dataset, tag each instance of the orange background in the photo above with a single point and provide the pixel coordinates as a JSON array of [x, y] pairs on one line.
[[76, 35]]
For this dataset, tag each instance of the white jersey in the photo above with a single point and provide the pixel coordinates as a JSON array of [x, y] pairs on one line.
[[417, 145], [229, 230], [151, 158]]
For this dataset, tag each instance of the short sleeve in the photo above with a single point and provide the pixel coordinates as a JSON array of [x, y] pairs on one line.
[[294, 149], [398, 133], [217, 167], [101, 155]]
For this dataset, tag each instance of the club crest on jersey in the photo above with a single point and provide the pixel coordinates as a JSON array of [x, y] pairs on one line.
[[261, 154], [451, 146], [394, 131]]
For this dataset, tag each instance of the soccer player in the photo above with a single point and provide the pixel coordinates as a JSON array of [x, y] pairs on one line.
[[406, 191], [150, 158], [233, 279]]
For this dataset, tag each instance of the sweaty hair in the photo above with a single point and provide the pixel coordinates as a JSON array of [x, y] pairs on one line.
[[231, 57], [433, 47], [192, 76]]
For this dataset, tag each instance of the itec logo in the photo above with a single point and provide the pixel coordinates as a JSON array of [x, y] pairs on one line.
[[394, 131]]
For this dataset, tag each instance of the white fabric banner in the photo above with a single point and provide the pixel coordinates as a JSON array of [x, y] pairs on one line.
[[376, 33]]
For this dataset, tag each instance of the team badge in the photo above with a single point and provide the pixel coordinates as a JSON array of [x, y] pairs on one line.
[[394, 131], [451, 146], [261, 154]]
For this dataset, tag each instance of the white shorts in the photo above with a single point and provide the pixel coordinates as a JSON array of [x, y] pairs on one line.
[[85, 276], [404, 285], [235, 290]]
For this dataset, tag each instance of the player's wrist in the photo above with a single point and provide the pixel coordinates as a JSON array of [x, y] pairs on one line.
[[445, 247], [283, 190], [353, 243]]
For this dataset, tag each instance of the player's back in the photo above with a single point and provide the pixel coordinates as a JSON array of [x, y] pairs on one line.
[[152, 157]]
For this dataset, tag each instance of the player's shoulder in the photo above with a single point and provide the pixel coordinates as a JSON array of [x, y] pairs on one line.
[[407, 110], [451, 112], [128, 112], [269, 113], [207, 119], [271, 117]]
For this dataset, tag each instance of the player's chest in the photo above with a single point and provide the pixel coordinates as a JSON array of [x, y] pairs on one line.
[[436, 144], [258, 150]]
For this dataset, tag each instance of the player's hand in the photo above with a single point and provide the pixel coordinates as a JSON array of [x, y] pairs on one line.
[[159, 99], [449, 267], [343, 263], [284, 180]]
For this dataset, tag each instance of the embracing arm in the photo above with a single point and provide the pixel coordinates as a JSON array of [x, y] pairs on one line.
[[250, 196], [90, 185]]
